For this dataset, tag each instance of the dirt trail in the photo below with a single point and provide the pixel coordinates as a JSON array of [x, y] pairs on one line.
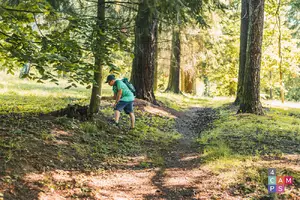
[[177, 180], [190, 124], [181, 176]]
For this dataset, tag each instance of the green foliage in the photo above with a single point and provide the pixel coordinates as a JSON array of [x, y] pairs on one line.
[[57, 37], [270, 74], [294, 17], [89, 127], [293, 89]]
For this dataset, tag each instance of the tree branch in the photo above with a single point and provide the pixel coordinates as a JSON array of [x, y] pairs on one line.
[[5, 34], [121, 2], [37, 25], [115, 2], [17, 10]]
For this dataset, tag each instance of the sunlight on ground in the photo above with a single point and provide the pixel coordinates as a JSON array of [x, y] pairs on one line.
[[279, 104], [25, 87], [190, 157], [201, 181], [157, 111], [120, 184]]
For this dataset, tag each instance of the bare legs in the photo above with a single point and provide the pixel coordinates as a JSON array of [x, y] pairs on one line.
[[132, 117], [117, 116]]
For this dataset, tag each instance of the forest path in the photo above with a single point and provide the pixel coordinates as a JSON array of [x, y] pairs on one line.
[[180, 177]]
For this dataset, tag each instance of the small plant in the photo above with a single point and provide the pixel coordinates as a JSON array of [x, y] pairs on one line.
[[89, 127], [144, 164], [47, 136]]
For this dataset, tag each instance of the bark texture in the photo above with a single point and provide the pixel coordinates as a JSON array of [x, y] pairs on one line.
[[143, 67], [98, 48], [251, 90]]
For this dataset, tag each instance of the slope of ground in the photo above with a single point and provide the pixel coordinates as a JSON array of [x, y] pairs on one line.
[[189, 149]]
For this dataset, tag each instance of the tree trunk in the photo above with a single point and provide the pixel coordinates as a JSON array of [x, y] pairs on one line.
[[280, 53], [98, 48], [174, 76], [182, 80], [188, 81], [243, 49], [251, 90], [156, 62], [142, 76]]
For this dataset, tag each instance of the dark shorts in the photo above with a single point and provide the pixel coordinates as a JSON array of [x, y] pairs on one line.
[[127, 106]]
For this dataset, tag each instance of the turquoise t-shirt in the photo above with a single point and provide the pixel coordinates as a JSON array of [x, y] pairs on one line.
[[127, 95]]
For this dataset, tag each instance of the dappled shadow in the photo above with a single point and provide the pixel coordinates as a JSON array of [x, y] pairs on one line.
[[49, 156], [40, 147], [21, 190], [47, 159]]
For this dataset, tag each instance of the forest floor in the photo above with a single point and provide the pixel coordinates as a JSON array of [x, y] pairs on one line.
[[188, 148]]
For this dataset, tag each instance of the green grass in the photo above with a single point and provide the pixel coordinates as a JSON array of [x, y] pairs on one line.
[[152, 133], [82, 145], [87, 144], [181, 102], [237, 145], [275, 133], [27, 96]]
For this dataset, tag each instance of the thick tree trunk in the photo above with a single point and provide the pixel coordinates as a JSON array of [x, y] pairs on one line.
[[174, 76], [155, 84], [98, 48], [243, 49], [251, 91], [142, 76]]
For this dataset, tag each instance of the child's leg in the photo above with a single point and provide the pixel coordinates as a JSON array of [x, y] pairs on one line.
[[117, 116], [129, 110], [132, 118]]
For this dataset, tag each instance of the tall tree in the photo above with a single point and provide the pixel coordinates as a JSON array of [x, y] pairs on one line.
[[142, 76], [156, 62], [243, 49], [174, 76], [98, 48], [280, 52], [146, 23], [251, 89]]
